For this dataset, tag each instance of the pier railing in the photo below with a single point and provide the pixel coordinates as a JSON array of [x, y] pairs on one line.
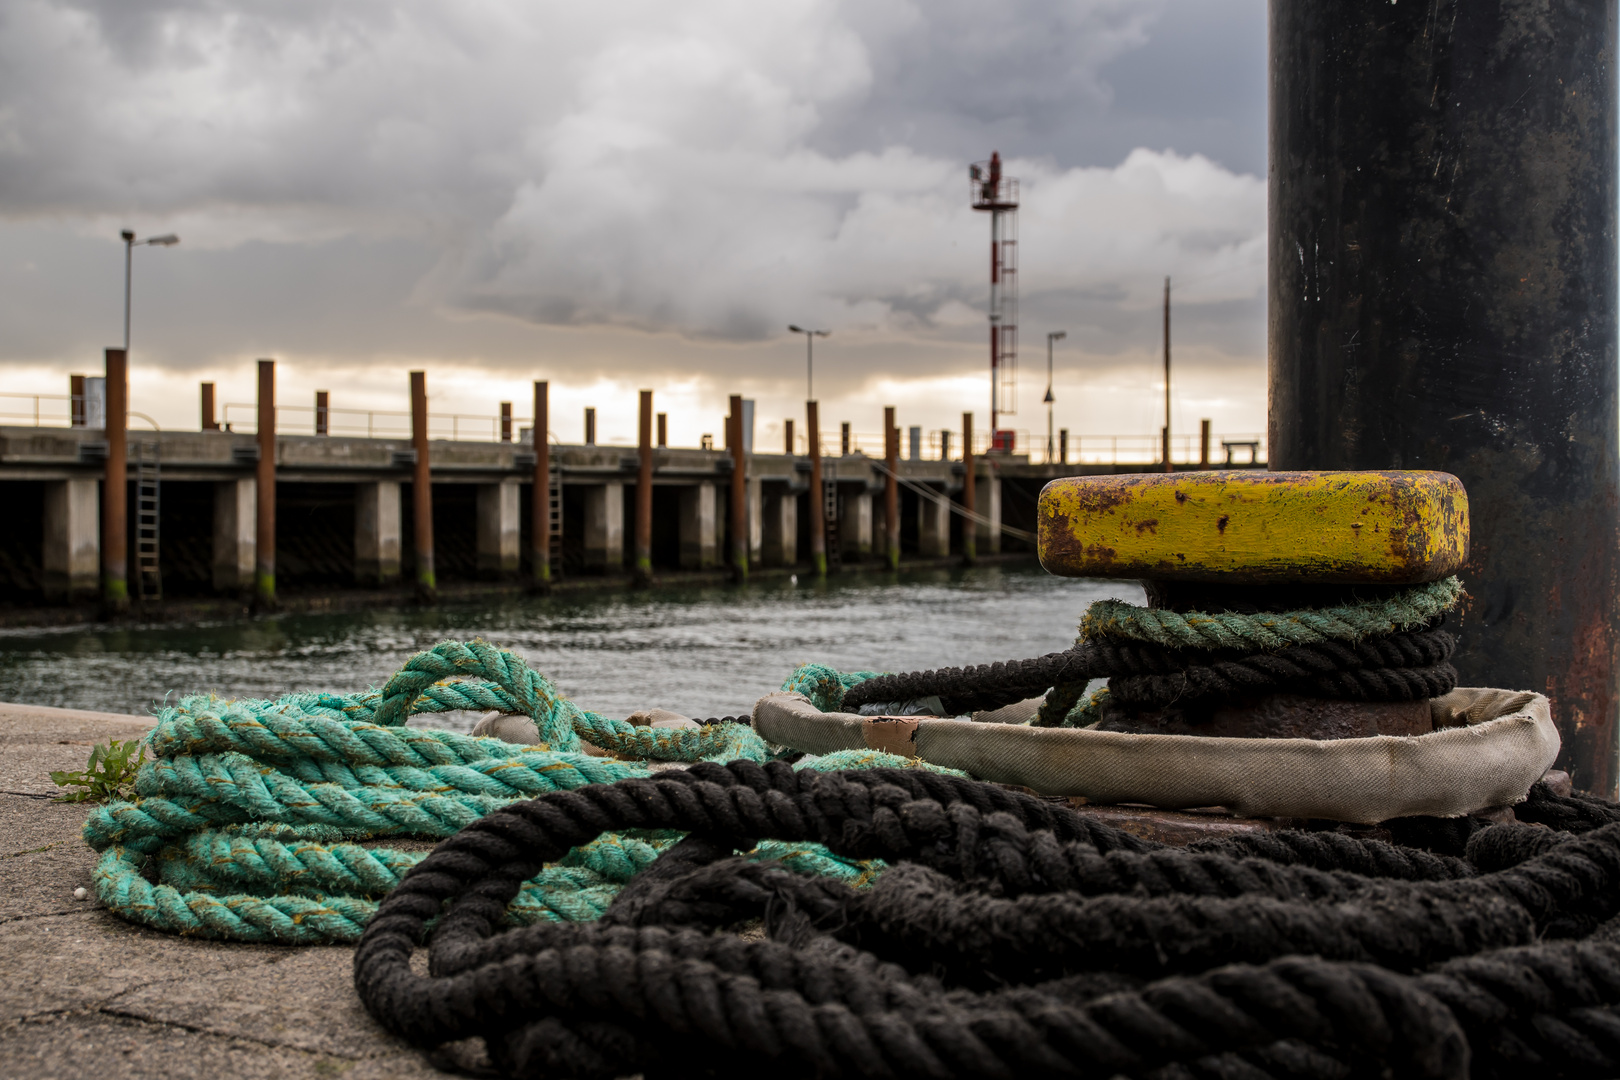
[[48, 410], [371, 423], [56, 410]]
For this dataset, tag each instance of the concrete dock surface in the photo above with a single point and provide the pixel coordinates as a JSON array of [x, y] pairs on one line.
[[84, 994]]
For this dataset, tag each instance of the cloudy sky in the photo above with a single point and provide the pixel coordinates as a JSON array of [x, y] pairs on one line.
[[636, 193]]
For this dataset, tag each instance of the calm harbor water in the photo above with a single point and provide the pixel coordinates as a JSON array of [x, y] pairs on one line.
[[703, 652]]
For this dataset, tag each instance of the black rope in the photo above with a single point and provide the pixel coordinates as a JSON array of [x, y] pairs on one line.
[[1009, 937], [1411, 666]]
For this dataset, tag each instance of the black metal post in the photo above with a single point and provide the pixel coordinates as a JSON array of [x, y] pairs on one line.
[[1442, 296]]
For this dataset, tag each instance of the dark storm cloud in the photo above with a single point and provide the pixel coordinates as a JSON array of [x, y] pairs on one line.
[[707, 169]]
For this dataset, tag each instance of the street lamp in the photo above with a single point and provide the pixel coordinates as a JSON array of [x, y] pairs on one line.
[[1055, 335], [167, 240], [809, 341]]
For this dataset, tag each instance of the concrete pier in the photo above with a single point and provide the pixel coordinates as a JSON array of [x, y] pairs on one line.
[[72, 556], [780, 526], [933, 527], [604, 527], [500, 531], [345, 498], [855, 524], [235, 534], [377, 533], [988, 496], [756, 520], [699, 527]]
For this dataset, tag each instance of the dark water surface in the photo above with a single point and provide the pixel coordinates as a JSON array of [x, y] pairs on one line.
[[703, 652]]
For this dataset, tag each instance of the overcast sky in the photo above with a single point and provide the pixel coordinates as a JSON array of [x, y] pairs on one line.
[[626, 194]]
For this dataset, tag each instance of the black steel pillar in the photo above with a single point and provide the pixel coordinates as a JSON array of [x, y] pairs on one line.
[[1442, 296]]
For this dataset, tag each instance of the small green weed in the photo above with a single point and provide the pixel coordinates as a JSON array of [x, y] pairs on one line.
[[110, 773]]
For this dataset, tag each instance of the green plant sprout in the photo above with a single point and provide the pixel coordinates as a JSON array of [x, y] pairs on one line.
[[109, 774]]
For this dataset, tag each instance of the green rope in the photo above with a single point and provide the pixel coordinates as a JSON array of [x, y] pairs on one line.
[[1270, 629], [250, 813], [825, 686]]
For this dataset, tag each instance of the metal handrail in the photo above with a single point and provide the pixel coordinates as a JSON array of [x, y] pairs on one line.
[[371, 425]]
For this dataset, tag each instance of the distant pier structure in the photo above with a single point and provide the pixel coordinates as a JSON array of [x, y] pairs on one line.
[[269, 499]]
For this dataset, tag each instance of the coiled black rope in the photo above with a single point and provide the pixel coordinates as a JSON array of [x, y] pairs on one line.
[[1411, 666], [1009, 937]]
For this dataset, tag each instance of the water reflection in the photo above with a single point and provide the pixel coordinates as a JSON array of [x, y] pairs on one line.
[[709, 651]]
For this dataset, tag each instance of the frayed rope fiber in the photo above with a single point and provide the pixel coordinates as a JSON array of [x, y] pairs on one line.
[[1010, 937]]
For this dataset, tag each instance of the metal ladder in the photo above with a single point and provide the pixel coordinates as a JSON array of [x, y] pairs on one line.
[[555, 513], [148, 496], [829, 517]]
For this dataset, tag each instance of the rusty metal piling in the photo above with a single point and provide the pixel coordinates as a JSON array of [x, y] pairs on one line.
[[264, 543], [970, 528], [540, 504], [427, 583], [644, 486], [891, 489], [818, 504], [739, 490], [114, 488]]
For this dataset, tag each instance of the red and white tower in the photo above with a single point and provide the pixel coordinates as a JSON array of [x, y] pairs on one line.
[[998, 195]]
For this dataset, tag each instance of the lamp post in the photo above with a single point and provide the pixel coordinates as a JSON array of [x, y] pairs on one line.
[[167, 240], [809, 357], [1055, 335]]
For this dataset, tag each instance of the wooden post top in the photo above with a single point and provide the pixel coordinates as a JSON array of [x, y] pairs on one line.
[[1252, 527]]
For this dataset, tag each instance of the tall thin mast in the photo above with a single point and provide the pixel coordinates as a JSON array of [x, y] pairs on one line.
[[1167, 466]]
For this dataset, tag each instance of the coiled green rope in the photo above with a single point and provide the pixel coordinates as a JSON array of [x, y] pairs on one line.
[[251, 814], [1411, 608]]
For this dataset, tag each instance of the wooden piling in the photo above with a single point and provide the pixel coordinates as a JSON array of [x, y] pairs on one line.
[[663, 430], [114, 489], [506, 421], [427, 583], [264, 543], [644, 500], [540, 505], [323, 412], [590, 426], [788, 440], [1063, 445], [210, 411], [970, 528], [1203, 443], [739, 490], [891, 489], [818, 498]]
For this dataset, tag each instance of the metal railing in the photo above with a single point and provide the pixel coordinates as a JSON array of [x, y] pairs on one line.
[[42, 410], [370, 423], [56, 410]]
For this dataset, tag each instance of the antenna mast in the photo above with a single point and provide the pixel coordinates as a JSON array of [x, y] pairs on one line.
[[998, 195]]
